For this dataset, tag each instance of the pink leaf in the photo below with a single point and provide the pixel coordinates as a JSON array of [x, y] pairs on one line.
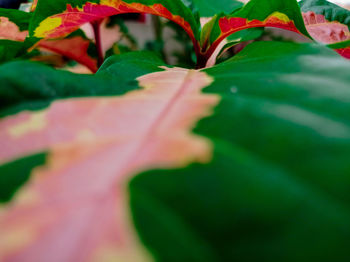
[[324, 31]]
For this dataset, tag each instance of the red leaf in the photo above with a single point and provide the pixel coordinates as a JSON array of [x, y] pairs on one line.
[[74, 48], [229, 26], [344, 52]]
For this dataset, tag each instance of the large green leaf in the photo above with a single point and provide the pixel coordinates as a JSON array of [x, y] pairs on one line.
[[277, 188], [277, 180]]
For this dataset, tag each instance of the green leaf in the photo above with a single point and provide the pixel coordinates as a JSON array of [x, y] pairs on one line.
[[242, 36], [16, 173], [280, 175], [261, 9], [9, 50], [209, 8], [39, 85], [338, 45]]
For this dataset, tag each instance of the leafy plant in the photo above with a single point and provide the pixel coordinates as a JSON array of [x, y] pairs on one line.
[[245, 160]]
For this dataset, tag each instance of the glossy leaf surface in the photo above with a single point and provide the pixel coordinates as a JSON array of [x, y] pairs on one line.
[[272, 177], [246, 161], [279, 178]]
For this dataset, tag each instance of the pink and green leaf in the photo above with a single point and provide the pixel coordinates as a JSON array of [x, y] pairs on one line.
[[235, 172], [330, 11], [284, 14], [14, 27], [10, 31], [19, 18], [80, 195], [13, 32], [324, 31], [328, 23], [59, 18]]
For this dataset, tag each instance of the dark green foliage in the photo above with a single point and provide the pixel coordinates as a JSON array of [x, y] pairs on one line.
[[16, 173], [39, 85]]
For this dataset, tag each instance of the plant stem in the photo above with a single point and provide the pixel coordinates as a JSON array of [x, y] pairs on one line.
[[201, 61], [96, 25], [158, 31], [158, 27]]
